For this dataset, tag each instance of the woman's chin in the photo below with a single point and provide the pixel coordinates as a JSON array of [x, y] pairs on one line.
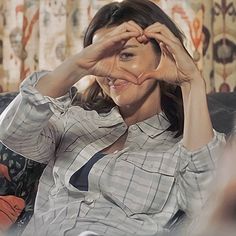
[[126, 100], [121, 102]]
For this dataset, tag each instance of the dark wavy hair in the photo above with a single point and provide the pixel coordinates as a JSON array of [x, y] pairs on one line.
[[144, 13]]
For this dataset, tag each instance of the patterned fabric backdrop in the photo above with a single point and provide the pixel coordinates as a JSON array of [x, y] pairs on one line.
[[40, 34]]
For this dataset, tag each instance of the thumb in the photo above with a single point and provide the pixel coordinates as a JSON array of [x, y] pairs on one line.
[[124, 75], [149, 75], [158, 72]]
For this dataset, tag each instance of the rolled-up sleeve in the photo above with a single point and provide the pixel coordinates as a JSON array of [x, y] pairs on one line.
[[196, 171], [32, 124]]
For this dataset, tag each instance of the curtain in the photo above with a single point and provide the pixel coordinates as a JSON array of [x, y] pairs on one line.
[[40, 34]]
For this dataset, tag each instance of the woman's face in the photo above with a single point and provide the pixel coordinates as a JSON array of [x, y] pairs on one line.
[[136, 58]]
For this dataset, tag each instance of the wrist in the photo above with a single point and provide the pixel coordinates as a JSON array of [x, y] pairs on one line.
[[77, 67], [196, 81]]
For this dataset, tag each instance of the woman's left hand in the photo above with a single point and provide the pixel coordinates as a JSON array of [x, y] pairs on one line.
[[176, 66]]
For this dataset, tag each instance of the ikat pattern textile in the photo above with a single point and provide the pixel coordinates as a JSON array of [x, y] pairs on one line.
[[40, 34]]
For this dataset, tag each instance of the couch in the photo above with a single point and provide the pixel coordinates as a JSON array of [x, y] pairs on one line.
[[19, 176]]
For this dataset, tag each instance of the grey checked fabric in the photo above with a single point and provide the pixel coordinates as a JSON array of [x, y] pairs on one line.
[[135, 191]]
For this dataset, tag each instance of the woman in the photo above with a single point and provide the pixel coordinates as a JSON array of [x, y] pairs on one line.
[[121, 165]]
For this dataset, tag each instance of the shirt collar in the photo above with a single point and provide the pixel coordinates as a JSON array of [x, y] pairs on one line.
[[110, 119], [152, 126]]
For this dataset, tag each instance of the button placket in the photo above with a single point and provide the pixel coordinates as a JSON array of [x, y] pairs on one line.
[[133, 131], [134, 139]]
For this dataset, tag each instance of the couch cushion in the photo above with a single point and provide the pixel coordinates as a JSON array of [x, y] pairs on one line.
[[222, 107], [10, 209], [5, 99]]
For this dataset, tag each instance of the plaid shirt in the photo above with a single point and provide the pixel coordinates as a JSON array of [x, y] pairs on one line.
[[135, 191]]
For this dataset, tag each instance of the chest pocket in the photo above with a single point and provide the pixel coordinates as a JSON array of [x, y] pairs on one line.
[[136, 187]]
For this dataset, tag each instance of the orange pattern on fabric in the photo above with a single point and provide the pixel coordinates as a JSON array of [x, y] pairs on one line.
[[44, 33], [10, 209], [4, 172]]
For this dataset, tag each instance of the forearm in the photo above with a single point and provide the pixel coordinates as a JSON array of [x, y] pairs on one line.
[[196, 170], [58, 82], [198, 129]]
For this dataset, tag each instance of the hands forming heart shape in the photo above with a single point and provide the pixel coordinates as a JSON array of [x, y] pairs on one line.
[[176, 65]]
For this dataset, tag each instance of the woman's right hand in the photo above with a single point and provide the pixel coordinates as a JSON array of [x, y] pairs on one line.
[[99, 58]]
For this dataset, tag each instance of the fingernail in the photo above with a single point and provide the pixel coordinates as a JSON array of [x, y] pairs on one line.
[[139, 39]]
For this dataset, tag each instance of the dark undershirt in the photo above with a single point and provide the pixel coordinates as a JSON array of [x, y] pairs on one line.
[[80, 178]]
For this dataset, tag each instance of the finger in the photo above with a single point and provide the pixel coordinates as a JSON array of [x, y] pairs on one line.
[[165, 50], [134, 24], [125, 27], [174, 50], [120, 30], [172, 47], [119, 73], [121, 33], [143, 39], [149, 75], [158, 27], [121, 38], [163, 47]]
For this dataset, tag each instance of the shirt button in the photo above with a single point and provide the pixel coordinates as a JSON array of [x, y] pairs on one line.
[[133, 128], [89, 200]]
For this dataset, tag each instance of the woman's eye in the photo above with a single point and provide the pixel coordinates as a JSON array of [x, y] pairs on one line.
[[126, 56]]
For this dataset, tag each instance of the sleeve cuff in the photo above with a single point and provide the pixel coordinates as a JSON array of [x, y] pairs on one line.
[[57, 105], [204, 158]]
